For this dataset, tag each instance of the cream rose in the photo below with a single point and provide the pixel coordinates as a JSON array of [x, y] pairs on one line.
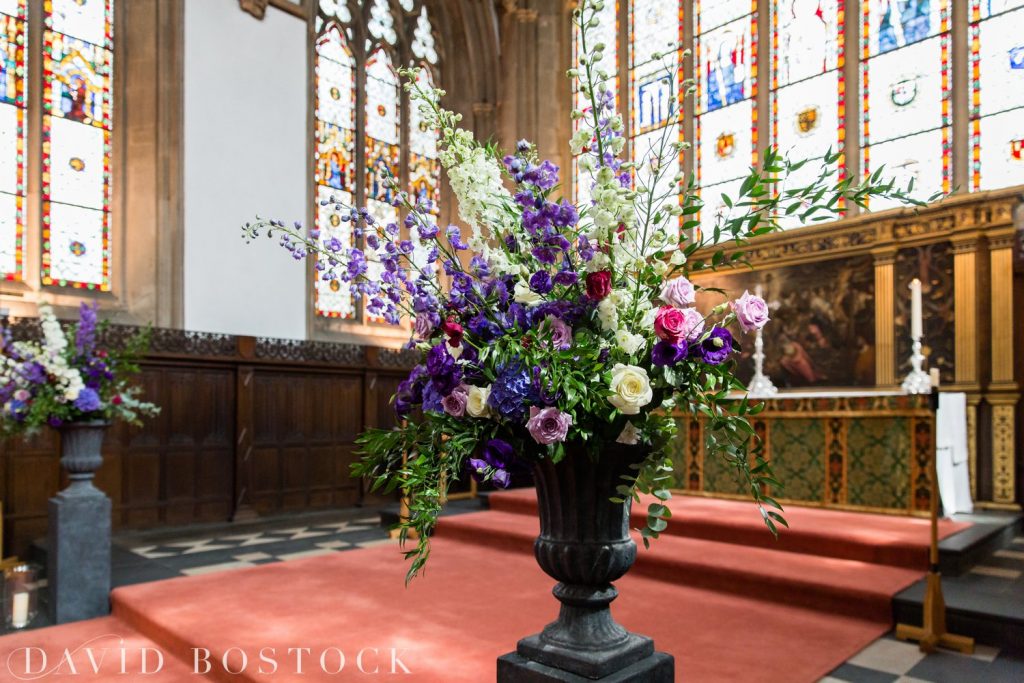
[[476, 404], [631, 389]]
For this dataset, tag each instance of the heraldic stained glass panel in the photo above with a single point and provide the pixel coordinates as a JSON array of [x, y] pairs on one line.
[[808, 91], [77, 68], [997, 93], [726, 64], [13, 35], [335, 175], [655, 52], [905, 89], [606, 33]]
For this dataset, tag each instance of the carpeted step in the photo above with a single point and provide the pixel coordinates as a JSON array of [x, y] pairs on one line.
[[472, 605], [900, 541], [828, 584], [91, 650]]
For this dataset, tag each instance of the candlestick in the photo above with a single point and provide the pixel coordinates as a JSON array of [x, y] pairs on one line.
[[760, 384], [917, 381], [915, 309], [19, 610]]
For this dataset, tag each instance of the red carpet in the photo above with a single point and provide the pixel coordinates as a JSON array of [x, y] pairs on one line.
[[880, 539], [727, 612]]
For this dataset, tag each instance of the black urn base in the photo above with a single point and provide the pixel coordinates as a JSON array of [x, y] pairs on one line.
[[657, 667]]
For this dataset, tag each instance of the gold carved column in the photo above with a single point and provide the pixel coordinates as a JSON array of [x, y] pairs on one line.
[[1002, 394], [885, 344], [967, 348]]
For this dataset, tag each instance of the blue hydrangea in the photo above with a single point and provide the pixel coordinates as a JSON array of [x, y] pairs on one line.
[[511, 392]]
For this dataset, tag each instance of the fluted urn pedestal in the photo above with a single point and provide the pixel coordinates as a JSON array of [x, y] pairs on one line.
[[78, 552], [584, 544]]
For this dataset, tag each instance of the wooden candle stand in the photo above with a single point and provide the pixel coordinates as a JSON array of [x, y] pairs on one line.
[[932, 634]]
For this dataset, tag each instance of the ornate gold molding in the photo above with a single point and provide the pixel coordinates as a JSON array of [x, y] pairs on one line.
[[972, 445], [974, 214]]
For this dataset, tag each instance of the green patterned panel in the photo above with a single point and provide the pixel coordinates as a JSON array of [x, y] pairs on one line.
[[878, 457], [798, 458], [677, 452], [720, 477]]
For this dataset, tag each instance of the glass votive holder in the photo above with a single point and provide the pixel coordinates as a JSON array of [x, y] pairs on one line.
[[21, 595]]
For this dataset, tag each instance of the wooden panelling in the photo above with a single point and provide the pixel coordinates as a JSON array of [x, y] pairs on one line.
[[245, 426]]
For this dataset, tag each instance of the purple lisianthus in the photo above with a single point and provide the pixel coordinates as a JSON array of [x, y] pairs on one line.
[[548, 425], [566, 278], [433, 400], [561, 334], [425, 325], [501, 478], [716, 347], [540, 282], [439, 361], [498, 453], [666, 353], [88, 400], [455, 403]]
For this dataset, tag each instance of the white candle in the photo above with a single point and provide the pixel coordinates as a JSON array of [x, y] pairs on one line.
[[933, 374], [758, 291], [915, 308], [19, 610]]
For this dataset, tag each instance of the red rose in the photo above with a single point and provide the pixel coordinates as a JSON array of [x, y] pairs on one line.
[[453, 330], [116, 400], [670, 324], [599, 285]]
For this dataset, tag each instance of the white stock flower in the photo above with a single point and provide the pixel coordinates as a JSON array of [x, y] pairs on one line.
[[524, 295], [628, 342], [631, 388], [608, 314], [476, 404]]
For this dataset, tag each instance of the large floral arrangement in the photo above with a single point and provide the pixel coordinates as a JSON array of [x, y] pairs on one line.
[[66, 378], [543, 323]]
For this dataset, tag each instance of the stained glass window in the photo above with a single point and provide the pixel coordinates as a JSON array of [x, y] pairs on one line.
[[77, 65], [725, 34], [360, 146], [655, 51], [334, 74], [808, 103], [905, 89], [12, 137], [997, 93], [607, 33]]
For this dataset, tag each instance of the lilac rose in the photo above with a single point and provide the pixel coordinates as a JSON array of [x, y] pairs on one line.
[[423, 328], [751, 311], [455, 403], [678, 292], [548, 425], [561, 334]]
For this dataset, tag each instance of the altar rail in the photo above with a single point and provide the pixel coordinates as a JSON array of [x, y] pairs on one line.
[[866, 453], [248, 426]]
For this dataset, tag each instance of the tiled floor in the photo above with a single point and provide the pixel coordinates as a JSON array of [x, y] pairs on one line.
[[998, 577]]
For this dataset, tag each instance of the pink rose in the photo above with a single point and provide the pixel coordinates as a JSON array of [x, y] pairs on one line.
[[751, 311], [678, 292], [561, 334], [548, 425], [693, 325], [453, 330], [455, 403], [670, 324]]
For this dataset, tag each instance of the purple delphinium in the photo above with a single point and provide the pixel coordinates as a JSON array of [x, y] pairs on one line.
[[716, 347], [85, 336], [666, 353]]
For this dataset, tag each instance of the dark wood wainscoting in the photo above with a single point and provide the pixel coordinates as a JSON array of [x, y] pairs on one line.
[[248, 427]]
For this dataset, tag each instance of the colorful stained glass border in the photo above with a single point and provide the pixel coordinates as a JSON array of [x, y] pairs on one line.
[[20, 26], [105, 71]]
